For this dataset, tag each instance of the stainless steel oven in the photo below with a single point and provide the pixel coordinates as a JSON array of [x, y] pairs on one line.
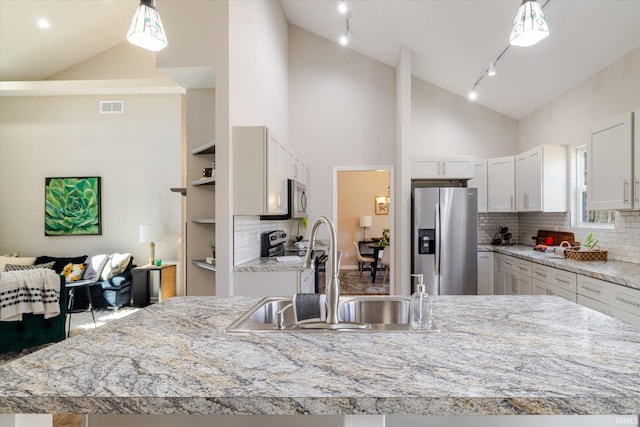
[[298, 200]]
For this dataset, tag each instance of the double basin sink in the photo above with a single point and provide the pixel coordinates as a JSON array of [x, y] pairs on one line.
[[376, 313]]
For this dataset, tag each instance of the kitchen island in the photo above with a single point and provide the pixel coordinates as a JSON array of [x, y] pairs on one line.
[[492, 355]]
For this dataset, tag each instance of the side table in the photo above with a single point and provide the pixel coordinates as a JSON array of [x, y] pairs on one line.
[[141, 280]]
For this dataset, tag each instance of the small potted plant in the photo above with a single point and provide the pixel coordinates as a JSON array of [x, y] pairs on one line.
[[299, 238], [385, 238], [212, 246]]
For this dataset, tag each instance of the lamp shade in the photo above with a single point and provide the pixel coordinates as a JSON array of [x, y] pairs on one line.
[[366, 221], [151, 233], [529, 27], [146, 28]]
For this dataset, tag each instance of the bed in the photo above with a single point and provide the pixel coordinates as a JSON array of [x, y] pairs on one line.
[[34, 329]]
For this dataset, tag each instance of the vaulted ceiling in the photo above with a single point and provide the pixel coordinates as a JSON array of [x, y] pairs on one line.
[[452, 41]]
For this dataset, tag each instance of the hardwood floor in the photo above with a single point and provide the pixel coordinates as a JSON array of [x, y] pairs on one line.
[[67, 420]]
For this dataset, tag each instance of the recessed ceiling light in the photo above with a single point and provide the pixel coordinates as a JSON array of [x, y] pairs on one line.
[[473, 95], [342, 7], [43, 23]]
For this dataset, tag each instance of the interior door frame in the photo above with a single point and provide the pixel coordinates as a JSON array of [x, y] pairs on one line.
[[371, 168]]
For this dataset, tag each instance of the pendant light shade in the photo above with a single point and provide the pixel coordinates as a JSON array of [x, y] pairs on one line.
[[529, 27], [146, 28]]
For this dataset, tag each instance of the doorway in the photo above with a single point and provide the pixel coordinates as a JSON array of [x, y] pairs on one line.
[[362, 211]]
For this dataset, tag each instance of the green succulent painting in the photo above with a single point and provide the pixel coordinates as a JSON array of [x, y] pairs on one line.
[[72, 206]]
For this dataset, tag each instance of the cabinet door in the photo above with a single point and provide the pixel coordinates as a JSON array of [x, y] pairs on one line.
[[456, 167], [498, 288], [500, 184], [479, 181], [485, 273], [524, 285], [609, 164], [425, 168], [276, 176], [529, 181]]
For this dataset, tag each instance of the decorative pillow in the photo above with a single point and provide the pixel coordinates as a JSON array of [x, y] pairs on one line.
[[117, 264], [61, 261], [14, 260], [95, 264], [14, 267], [73, 272]]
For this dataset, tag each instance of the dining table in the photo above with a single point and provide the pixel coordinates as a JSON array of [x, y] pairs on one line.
[[376, 253]]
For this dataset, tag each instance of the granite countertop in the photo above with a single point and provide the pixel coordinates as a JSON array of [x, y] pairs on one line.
[[264, 264], [492, 355], [622, 273]]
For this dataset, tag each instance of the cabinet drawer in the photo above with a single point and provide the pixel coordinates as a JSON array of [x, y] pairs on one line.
[[556, 277], [540, 287], [625, 316], [594, 304], [596, 289], [516, 264], [626, 299]]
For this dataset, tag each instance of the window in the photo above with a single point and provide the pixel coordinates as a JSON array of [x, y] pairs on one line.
[[584, 217]]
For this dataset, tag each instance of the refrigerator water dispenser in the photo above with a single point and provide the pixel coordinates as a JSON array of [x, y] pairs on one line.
[[427, 241]]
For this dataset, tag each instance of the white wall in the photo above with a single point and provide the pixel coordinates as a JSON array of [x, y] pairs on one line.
[[444, 124], [342, 112], [568, 117], [137, 154], [258, 67], [124, 61]]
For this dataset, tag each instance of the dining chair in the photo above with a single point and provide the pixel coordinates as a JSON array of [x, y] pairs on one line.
[[385, 262], [362, 260]]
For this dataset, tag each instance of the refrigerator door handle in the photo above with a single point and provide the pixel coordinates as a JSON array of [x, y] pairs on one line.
[[437, 259]]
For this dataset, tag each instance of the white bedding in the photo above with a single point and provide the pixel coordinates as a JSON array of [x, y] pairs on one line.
[[34, 291]]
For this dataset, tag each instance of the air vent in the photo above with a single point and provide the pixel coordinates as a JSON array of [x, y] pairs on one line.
[[111, 107]]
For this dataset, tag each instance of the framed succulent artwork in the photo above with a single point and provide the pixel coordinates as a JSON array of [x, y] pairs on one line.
[[72, 206]]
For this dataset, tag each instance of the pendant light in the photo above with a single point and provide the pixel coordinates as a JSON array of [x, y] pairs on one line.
[[146, 28], [529, 27]]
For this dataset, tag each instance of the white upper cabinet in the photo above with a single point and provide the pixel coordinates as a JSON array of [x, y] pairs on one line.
[[609, 165], [541, 179], [479, 181], [500, 184], [442, 167], [296, 170], [259, 172]]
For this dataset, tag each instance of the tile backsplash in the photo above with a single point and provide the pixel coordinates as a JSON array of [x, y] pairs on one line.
[[622, 242], [246, 235], [490, 223]]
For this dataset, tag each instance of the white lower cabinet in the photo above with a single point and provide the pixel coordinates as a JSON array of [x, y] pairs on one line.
[[485, 273], [498, 288], [516, 276], [553, 281], [609, 298]]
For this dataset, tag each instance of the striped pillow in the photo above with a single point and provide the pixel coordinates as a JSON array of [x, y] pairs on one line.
[[14, 267]]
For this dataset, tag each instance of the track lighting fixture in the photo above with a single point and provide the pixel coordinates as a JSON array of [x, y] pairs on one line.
[[492, 69], [529, 28], [146, 28], [342, 7]]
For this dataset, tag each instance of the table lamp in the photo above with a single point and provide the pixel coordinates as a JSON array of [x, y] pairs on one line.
[[151, 233], [365, 222]]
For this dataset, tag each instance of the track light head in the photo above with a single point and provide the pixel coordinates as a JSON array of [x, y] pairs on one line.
[[492, 69], [473, 95], [344, 39], [342, 7]]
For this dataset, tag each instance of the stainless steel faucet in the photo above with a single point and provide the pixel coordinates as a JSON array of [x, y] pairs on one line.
[[332, 287]]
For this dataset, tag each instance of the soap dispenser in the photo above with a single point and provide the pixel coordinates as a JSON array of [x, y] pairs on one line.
[[420, 307]]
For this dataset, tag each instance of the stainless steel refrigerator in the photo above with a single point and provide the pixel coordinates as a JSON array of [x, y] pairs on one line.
[[444, 239]]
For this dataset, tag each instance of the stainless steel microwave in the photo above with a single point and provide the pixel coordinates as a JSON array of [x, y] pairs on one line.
[[298, 200]]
